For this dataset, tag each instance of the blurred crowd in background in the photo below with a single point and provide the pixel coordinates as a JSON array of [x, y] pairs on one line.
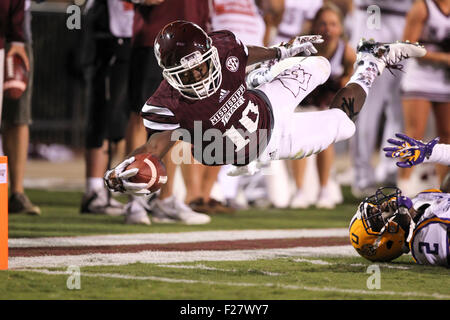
[[111, 57]]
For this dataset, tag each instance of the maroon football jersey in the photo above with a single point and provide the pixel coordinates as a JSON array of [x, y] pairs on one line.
[[232, 126]]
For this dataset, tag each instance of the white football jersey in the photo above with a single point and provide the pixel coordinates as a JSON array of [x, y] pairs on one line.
[[423, 79], [241, 17], [437, 27], [399, 6], [120, 18], [296, 12], [430, 240]]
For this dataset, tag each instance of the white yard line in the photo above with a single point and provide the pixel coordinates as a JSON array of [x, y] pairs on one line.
[[195, 267], [161, 257], [180, 237], [248, 284], [323, 262], [203, 267]]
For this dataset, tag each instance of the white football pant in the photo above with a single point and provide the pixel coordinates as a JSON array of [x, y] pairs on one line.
[[299, 134]]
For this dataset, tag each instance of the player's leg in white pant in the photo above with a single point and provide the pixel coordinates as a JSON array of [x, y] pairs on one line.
[[296, 78], [299, 135]]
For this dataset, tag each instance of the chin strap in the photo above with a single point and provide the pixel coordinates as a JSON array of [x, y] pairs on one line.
[[412, 226]]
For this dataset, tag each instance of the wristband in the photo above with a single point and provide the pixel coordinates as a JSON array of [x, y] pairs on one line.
[[278, 53]]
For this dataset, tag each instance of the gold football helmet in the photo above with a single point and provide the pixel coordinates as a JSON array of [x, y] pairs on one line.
[[373, 232]]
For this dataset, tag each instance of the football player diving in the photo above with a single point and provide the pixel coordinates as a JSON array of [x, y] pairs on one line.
[[204, 99]]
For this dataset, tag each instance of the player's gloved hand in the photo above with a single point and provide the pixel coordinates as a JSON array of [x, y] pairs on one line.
[[410, 150], [116, 179], [299, 45]]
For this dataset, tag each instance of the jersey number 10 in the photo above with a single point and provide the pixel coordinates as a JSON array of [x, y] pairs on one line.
[[249, 125]]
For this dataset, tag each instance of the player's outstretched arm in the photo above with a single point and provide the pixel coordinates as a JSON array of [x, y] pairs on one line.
[[301, 45], [117, 179], [412, 152], [158, 144]]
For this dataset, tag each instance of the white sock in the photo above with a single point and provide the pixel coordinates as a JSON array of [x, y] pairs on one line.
[[94, 184], [324, 191], [366, 72]]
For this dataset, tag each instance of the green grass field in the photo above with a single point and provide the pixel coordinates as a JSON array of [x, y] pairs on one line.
[[61, 217], [287, 278]]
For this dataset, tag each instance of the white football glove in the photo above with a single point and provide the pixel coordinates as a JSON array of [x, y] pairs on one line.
[[116, 179], [299, 45]]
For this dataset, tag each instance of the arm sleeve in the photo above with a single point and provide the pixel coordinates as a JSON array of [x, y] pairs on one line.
[[15, 32], [158, 118], [441, 154]]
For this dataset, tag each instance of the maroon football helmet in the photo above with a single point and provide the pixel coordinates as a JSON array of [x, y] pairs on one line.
[[182, 47]]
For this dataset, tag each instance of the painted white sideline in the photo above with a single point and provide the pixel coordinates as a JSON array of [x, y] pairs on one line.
[[161, 257], [180, 237]]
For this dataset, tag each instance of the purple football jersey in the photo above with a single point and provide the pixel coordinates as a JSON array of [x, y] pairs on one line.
[[232, 126]]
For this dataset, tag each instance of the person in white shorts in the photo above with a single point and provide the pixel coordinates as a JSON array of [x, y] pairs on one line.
[[426, 82], [384, 98], [327, 22], [297, 17]]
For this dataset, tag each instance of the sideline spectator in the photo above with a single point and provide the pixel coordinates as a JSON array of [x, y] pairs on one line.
[[15, 36], [328, 22], [108, 31], [378, 103], [426, 83], [297, 17]]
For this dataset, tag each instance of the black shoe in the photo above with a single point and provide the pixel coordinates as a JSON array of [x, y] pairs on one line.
[[98, 202], [19, 203]]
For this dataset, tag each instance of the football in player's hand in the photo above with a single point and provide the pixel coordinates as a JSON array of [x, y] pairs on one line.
[[15, 78], [151, 171]]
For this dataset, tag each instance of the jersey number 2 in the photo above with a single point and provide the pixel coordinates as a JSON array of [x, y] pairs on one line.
[[428, 250]]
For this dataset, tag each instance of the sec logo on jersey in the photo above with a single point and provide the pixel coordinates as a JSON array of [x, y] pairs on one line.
[[232, 63]]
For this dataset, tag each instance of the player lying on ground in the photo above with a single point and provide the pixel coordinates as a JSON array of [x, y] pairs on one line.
[[387, 224], [204, 99], [413, 152]]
